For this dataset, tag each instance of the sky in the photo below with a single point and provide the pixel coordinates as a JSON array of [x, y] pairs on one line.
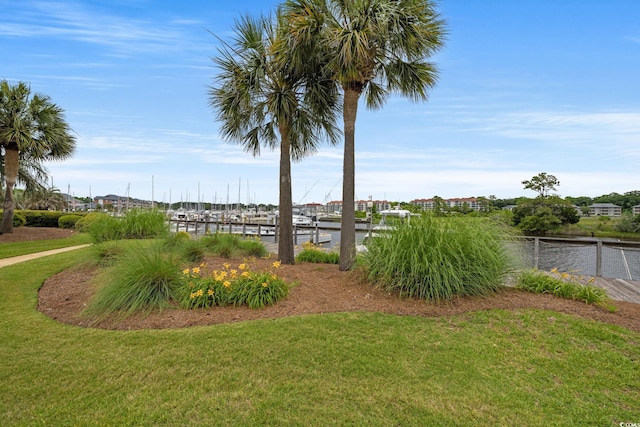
[[524, 87]]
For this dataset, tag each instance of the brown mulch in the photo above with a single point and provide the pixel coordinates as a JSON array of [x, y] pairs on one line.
[[320, 288], [21, 234]]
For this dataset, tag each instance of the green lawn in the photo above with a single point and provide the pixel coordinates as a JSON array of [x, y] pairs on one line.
[[8, 250], [528, 367]]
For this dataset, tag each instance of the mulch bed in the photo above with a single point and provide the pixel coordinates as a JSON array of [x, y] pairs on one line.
[[320, 288]]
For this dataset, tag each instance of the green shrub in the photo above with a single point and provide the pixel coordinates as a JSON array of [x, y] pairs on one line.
[[42, 218], [438, 258], [19, 220], [143, 279], [563, 285], [311, 253], [68, 221], [85, 222], [628, 223]]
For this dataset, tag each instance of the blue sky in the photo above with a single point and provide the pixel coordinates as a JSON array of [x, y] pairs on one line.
[[525, 87]]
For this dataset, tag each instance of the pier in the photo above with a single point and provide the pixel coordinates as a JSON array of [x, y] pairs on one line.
[[620, 289]]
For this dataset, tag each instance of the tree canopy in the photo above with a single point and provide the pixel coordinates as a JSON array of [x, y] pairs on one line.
[[263, 97], [542, 183], [32, 130], [376, 48]]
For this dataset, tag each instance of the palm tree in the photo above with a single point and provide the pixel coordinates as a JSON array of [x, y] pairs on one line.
[[44, 198], [32, 174], [379, 47], [31, 128], [264, 99]]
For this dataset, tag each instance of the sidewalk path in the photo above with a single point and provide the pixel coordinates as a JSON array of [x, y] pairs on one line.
[[16, 259]]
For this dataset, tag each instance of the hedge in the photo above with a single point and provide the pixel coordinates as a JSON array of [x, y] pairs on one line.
[[42, 218]]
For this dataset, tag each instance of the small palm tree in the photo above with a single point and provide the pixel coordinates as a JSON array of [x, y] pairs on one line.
[[262, 98], [378, 47], [31, 128]]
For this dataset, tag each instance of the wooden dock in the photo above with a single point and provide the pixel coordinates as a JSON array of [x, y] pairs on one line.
[[620, 289]]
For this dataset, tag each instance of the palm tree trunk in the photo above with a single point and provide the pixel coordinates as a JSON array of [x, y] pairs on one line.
[[286, 254], [11, 164], [348, 221]]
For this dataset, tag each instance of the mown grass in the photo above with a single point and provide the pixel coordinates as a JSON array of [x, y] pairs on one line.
[[8, 250], [595, 226], [525, 367]]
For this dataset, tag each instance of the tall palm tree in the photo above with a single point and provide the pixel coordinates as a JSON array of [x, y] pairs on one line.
[[31, 128], [262, 98], [379, 47], [32, 174]]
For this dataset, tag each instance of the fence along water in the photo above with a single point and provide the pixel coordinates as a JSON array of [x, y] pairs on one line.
[[589, 257]]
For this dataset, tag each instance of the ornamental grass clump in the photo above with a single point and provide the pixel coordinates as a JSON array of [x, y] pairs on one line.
[[136, 224], [438, 258], [144, 224], [108, 253], [222, 244], [143, 279], [311, 253], [103, 228], [231, 286]]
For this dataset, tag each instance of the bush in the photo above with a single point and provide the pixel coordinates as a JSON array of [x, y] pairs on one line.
[[628, 224], [439, 258], [68, 221], [142, 280], [563, 285], [85, 222], [19, 220], [42, 218]]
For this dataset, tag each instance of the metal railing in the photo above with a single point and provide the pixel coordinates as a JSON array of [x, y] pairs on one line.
[[594, 257]]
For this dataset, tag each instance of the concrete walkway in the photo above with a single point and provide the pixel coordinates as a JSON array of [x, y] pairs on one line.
[[16, 259]]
